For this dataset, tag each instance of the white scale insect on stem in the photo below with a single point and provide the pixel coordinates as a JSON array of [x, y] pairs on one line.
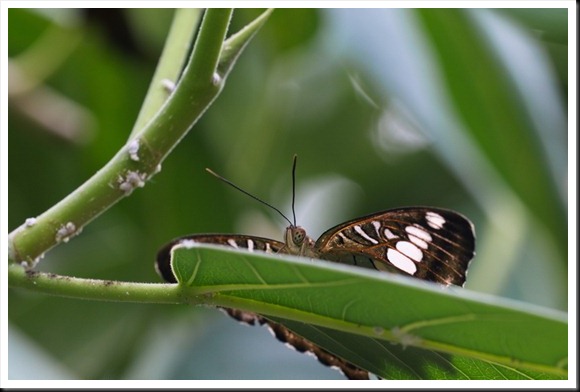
[[133, 150]]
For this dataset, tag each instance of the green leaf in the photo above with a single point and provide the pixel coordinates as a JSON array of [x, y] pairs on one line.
[[396, 362], [494, 118], [393, 326]]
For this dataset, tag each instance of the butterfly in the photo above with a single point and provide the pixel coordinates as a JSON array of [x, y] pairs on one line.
[[427, 243]]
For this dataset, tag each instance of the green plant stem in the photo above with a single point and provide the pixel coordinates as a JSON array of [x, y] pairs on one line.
[[95, 289], [173, 58], [125, 171], [43, 58], [235, 44]]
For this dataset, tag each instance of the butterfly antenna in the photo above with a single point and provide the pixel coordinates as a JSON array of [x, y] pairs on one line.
[[249, 194], [294, 187]]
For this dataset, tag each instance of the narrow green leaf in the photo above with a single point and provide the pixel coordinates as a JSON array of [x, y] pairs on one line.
[[386, 317], [494, 118]]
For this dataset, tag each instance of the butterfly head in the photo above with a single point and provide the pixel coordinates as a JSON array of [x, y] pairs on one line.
[[296, 240]]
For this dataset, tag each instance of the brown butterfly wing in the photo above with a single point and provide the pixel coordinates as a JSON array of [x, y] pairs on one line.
[[427, 243]]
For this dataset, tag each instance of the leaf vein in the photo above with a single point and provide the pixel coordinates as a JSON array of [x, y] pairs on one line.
[[382, 346]]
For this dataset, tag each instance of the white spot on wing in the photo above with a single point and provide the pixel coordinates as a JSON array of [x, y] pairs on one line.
[[410, 250], [419, 242], [187, 243], [434, 220], [233, 243], [377, 226], [401, 261], [419, 236], [390, 235], [250, 245], [364, 235], [419, 232]]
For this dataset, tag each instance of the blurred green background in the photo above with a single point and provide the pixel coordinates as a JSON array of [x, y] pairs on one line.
[[463, 109]]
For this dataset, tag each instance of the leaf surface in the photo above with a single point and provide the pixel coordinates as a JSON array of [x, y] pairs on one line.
[[391, 325]]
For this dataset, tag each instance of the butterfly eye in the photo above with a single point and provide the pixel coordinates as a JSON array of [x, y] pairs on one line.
[[298, 236]]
